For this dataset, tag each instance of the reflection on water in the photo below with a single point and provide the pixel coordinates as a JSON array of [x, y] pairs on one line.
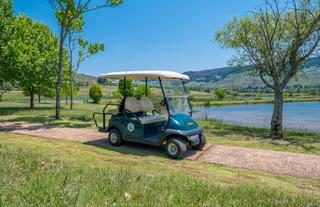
[[298, 115]]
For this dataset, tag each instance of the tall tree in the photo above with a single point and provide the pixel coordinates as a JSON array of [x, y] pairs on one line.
[[7, 51], [84, 50], [70, 16], [277, 38], [36, 47]]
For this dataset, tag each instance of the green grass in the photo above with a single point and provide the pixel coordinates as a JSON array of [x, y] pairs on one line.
[[251, 137], [45, 172], [38, 172]]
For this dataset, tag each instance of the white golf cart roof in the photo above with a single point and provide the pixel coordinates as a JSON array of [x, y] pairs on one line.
[[150, 74]]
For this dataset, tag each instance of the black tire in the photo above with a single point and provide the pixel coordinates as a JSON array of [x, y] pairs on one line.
[[114, 137], [202, 143], [176, 149]]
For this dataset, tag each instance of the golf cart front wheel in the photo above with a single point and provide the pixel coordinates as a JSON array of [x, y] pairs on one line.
[[114, 137], [176, 149], [202, 143]]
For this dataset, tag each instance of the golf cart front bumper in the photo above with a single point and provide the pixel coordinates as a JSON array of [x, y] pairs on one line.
[[193, 135]]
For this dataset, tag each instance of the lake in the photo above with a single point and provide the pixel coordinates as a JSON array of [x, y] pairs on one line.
[[297, 115]]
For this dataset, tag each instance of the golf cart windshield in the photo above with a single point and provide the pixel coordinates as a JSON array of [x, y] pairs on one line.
[[176, 96]]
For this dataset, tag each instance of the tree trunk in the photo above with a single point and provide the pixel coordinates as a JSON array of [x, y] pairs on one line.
[[39, 98], [66, 100], [31, 99], [1, 94], [71, 94], [59, 83], [276, 120]]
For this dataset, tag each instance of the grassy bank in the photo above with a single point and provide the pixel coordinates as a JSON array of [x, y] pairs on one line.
[[218, 132], [38, 172]]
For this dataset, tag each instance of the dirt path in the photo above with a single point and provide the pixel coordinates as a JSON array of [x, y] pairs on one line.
[[285, 163]]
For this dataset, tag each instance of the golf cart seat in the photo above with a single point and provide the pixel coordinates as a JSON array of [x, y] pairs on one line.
[[139, 107]]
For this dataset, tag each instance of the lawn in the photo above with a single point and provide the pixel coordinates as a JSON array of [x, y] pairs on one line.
[[38, 172]]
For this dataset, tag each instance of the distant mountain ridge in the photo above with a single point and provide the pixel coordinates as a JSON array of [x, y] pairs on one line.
[[84, 80], [244, 77]]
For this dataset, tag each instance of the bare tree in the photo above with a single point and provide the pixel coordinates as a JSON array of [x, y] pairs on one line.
[[277, 38]]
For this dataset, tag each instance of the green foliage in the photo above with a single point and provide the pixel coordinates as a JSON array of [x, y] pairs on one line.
[[70, 14], [116, 94], [36, 48], [220, 93], [141, 91], [8, 61], [129, 88], [65, 92], [95, 92]]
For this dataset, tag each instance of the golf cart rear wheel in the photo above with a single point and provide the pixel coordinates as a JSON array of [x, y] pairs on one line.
[[176, 149], [115, 137], [202, 143]]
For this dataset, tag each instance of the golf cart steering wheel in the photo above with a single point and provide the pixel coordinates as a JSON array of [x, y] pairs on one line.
[[162, 102]]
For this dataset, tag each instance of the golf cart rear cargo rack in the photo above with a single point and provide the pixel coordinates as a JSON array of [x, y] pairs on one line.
[[103, 113]]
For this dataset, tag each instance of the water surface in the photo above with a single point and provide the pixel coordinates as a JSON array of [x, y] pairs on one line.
[[297, 115]]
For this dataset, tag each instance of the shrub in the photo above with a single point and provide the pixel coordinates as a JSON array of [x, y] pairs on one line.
[[141, 91], [95, 92], [220, 93], [129, 88]]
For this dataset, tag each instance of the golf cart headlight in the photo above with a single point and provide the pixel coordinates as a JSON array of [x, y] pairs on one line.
[[194, 138]]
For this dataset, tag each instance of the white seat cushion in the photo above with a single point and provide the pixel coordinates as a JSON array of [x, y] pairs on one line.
[[146, 104], [132, 104], [151, 119]]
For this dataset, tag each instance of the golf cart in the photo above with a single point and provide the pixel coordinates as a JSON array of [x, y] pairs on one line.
[[136, 119]]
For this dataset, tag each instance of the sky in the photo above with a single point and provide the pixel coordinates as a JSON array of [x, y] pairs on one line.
[[175, 35]]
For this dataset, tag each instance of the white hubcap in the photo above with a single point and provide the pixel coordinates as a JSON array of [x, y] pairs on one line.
[[172, 149], [113, 137]]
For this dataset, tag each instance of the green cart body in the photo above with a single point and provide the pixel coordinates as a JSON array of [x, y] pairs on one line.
[[130, 121]]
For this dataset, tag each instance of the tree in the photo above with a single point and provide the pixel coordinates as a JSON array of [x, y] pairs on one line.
[[66, 90], [8, 62], [117, 95], [95, 92], [69, 14], [220, 93], [277, 40], [36, 47], [84, 49], [129, 88], [4, 87], [141, 91]]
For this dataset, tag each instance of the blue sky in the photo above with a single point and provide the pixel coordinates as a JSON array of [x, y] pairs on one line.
[[173, 35]]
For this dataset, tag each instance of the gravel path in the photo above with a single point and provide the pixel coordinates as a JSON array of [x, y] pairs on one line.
[[284, 163]]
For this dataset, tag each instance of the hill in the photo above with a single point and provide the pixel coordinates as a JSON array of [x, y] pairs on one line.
[[84, 80], [245, 77]]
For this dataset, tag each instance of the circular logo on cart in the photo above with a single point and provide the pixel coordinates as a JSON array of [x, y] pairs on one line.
[[130, 127]]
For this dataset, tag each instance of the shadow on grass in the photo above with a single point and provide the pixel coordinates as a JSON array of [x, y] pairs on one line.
[[12, 110], [134, 148], [48, 121]]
